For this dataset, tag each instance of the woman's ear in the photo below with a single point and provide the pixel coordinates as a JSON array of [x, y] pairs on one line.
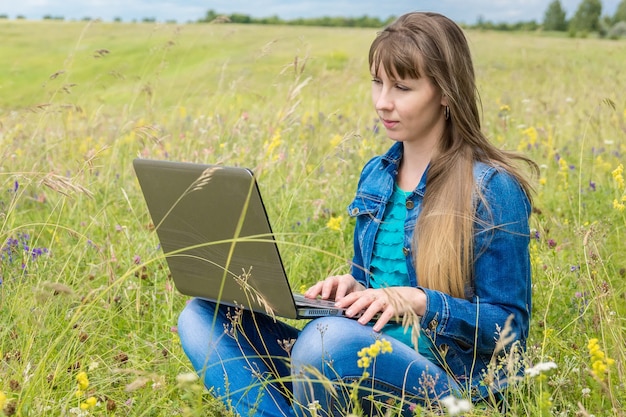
[[444, 100]]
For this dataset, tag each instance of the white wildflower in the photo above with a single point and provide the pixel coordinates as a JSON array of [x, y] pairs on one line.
[[455, 405], [186, 378], [540, 367], [76, 411]]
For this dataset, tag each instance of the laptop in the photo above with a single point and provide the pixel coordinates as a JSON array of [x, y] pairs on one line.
[[216, 236]]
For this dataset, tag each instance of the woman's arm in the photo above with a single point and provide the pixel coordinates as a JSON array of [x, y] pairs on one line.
[[502, 276]]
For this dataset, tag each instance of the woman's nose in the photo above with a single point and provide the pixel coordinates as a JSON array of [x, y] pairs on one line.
[[383, 100]]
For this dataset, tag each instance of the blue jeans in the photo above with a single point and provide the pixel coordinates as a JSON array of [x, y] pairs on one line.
[[247, 360]]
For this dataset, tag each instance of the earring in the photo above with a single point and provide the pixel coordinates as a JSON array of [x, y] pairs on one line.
[[446, 112]]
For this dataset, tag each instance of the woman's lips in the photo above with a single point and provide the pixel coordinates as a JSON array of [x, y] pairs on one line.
[[389, 124]]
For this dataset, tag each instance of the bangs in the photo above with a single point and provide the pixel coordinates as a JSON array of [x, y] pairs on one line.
[[399, 56]]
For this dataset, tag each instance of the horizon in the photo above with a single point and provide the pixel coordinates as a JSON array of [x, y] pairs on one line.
[[187, 11]]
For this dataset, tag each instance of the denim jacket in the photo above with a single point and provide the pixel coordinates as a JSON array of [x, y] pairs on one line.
[[464, 331]]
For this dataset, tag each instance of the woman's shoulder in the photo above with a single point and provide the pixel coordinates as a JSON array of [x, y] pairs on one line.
[[375, 164], [489, 176], [497, 184]]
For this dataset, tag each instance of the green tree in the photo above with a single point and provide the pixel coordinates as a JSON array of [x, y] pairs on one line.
[[240, 18], [554, 17], [620, 13], [210, 16], [587, 17]]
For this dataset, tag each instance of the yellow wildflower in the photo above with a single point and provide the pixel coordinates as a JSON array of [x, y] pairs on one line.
[[386, 346], [618, 206], [618, 176], [83, 381], [273, 143], [3, 400], [88, 403], [532, 135], [600, 363], [364, 362], [336, 140], [543, 181], [372, 351], [334, 223]]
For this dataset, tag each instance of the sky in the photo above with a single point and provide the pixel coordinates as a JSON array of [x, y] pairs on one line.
[[462, 11]]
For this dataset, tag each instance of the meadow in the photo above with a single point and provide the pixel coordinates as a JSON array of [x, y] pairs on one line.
[[87, 308]]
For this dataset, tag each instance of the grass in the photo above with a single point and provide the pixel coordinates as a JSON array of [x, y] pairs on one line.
[[85, 287]]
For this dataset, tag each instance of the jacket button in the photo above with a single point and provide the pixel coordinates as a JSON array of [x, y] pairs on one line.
[[355, 211], [406, 251], [443, 349], [410, 204], [433, 324]]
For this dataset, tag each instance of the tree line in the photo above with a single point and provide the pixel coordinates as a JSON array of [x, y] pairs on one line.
[[364, 21], [587, 19]]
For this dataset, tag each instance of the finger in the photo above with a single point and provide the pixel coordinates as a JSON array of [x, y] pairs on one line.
[[314, 290], [361, 305], [329, 287], [376, 307], [347, 300], [346, 282], [384, 318]]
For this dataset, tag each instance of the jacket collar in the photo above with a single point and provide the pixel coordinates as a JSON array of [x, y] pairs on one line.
[[393, 155], [392, 158]]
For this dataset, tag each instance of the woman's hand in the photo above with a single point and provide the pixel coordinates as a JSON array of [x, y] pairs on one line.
[[334, 287], [387, 303]]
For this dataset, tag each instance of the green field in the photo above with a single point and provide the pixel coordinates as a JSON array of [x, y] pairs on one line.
[[84, 284]]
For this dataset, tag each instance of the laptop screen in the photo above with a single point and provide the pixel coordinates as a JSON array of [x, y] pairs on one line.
[[215, 234]]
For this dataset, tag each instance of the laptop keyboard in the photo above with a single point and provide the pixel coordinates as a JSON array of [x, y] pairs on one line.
[[301, 300]]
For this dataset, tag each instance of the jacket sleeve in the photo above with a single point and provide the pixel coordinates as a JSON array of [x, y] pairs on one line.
[[356, 269], [502, 276], [360, 211]]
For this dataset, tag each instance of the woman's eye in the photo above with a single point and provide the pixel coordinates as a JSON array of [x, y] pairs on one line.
[[402, 87], [376, 80]]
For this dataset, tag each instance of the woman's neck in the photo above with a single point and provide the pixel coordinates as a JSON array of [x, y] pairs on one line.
[[414, 162]]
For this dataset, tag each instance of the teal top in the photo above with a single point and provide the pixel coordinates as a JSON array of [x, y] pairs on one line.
[[389, 266]]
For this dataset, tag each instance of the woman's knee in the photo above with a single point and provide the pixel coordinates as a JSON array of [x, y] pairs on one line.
[[191, 317], [327, 340], [197, 326]]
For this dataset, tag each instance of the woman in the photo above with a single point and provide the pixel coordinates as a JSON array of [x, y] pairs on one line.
[[441, 267]]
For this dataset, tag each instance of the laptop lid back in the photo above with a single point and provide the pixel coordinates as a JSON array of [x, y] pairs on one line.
[[215, 233]]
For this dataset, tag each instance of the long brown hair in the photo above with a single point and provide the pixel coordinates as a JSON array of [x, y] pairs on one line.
[[423, 44]]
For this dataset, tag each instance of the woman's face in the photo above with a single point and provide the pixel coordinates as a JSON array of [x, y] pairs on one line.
[[410, 109]]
